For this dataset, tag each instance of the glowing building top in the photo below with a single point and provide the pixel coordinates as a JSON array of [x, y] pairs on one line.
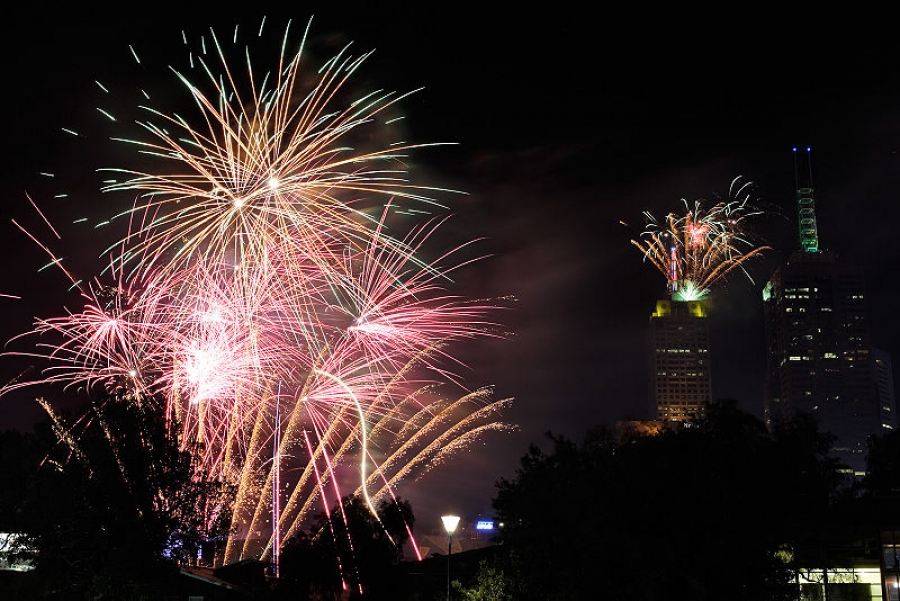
[[806, 203]]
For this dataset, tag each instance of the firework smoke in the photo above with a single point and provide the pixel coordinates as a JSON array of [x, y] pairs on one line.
[[269, 289]]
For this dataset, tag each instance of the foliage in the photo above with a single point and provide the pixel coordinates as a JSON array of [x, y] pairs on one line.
[[491, 584], [701, 513], [349, 547], [883, 474], [107, 512], [723, 509], [871, 506]]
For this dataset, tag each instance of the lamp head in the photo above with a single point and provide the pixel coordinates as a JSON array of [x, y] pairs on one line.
[[450, 522]]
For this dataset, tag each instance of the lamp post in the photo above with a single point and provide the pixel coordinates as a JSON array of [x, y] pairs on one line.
[[450, 522]]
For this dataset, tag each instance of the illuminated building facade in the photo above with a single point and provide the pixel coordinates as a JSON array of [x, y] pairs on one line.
[[681, 367], [820, 359]]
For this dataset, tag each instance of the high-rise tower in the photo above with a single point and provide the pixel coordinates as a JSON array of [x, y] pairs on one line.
[[819, 355], [680, 354], [694, 251]]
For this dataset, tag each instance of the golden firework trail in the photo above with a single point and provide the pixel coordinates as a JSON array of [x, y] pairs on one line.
[[696, 250], [268, 285]]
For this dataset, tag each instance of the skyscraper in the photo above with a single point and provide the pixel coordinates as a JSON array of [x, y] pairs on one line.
[[695, 251], [680, 354], [820, 359]]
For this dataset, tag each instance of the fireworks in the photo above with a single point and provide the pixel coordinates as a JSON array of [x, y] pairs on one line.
[[697, 250], [268, 288]]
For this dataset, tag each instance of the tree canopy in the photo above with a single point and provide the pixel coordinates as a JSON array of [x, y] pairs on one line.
[[349, 548], [712, 511], [111, 510], [722, 508]]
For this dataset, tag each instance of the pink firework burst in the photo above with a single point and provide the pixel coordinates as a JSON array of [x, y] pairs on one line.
[[269, 292]]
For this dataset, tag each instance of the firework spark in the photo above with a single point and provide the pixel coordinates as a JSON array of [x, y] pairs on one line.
[[267, 289], [697, 250]]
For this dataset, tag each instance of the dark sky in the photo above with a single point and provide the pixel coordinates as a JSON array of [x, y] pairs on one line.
[[568, 123]]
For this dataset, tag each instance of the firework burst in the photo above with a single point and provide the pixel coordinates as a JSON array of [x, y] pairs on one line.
[[698, 249], [266, 287]]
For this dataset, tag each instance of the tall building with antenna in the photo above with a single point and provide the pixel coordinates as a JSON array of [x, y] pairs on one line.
[[694, 251], [682, 376], [820, 360]]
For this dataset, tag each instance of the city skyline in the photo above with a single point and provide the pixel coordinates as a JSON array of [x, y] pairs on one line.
[[560, 141]]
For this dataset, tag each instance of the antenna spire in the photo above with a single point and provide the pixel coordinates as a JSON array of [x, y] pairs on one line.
[[806, 203]]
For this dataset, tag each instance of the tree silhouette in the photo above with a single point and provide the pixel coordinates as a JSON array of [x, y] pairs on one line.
[[112, 507], [710, 511], [349, 549]]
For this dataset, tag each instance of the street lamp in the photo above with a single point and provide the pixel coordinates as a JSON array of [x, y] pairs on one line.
[[450, 522]]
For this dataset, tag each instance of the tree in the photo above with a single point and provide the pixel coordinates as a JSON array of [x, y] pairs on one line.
[[883, 465], [348, 547], [114, 506], [491, 584], [704, 512], [555, 514], [306, 572]]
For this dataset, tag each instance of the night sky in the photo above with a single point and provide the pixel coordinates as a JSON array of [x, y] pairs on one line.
[[569, 124]]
